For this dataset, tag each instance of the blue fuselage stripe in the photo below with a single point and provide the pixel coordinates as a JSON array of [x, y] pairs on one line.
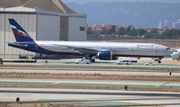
[[30, 46]]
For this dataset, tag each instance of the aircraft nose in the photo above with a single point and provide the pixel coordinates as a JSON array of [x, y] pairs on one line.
[[169, 52]]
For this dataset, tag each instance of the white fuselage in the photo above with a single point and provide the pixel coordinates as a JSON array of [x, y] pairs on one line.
[[117, 48]]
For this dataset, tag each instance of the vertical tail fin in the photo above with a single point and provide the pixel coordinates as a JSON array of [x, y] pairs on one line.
[[20, 34]]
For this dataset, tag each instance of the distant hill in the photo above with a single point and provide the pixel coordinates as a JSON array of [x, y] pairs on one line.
[[139, 14]]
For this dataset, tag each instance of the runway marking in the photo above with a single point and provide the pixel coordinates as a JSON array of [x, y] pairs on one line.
[[164, 84]]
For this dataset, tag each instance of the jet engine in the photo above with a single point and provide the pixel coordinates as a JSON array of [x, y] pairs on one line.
[[176, 55], [105, 55]]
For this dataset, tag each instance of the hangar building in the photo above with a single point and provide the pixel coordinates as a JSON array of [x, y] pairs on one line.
[[43, 20]]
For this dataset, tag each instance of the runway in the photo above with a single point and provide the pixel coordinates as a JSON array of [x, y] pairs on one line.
[[90, 97]]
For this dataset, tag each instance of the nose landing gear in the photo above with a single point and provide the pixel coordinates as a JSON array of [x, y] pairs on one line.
[[158, 59]]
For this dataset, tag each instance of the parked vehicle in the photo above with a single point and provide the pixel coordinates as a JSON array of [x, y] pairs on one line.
[[23, 56], [150, 63], [83, 61], [124, 62]]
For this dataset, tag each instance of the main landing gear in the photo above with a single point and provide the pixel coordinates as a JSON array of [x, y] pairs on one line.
[[90, 57], [159, 62], [158, 59], [92, 60]]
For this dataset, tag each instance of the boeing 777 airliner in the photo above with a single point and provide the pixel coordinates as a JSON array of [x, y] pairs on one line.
[[102, 50]]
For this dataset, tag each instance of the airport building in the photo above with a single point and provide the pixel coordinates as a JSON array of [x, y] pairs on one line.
[[43, 20]]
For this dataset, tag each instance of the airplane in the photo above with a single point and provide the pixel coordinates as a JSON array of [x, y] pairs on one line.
[[100, 50], [176, 55]]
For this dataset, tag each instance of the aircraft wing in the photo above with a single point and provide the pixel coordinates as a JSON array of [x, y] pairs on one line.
[[82, 50]]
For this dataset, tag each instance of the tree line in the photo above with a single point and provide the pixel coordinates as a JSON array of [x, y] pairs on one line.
[[130, 32]]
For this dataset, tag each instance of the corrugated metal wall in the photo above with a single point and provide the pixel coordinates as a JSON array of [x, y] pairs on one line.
[[40, 27], [48, 27], [76, 32], [27, 21], [2, 27], [64, 28]]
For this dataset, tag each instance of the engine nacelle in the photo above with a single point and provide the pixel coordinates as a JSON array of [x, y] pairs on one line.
[[105, 55], [176, 55]]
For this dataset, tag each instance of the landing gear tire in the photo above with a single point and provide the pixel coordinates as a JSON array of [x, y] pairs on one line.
[[92, 60], [159, 62]]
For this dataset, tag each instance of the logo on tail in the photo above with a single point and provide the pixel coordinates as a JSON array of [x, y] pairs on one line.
[[20, 34]]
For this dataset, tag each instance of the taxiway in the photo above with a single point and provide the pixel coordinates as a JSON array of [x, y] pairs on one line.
[[90, 97]]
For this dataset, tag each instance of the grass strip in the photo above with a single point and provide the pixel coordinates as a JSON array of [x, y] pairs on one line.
[[96, 76], [175, 69]]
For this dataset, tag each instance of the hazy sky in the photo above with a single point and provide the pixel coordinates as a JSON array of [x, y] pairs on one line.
[[85, 1]]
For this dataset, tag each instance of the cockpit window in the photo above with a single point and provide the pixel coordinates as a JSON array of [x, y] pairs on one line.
[[167, 48]]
